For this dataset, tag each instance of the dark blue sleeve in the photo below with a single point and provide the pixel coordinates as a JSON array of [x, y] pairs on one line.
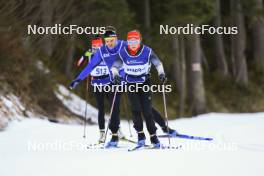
[[95, 60]]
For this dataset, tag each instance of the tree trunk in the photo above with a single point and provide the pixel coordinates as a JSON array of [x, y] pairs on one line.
[[147, 14], [183, 77], [47, 14], [219, 53], [258, 35], [178, 64], [239, 43], [70, 57], [196, 92]]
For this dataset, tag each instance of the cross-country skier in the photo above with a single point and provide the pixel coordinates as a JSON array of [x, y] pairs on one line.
[[136, 60], [107, 54], [99, 76], [115, 48]]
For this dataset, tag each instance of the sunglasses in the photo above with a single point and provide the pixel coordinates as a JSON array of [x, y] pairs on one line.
[[133, 42]]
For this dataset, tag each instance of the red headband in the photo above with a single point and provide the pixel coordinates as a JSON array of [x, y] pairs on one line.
[[133, 34], [97, 42]]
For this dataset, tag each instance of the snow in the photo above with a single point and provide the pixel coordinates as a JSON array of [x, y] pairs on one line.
[[11, 107], [75, 104], [39, 147], [40, 65]]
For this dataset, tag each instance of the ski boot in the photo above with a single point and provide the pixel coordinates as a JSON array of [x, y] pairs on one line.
[[141, 139], [155, 141], [113, 142], [170, 132], [102, 137]]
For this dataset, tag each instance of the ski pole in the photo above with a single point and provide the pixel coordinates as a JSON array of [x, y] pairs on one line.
[[111, 112], [165, 110], [86, 104]]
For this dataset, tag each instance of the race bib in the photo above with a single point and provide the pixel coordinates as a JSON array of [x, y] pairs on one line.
[[136, 70], [100, 71]]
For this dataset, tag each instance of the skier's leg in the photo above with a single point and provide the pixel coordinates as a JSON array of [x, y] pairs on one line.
[[161, 121], [158, 118], [99, 96], [136, 111], [114, 101], [115, 120], [137, 120], [145, 101], [136, 116]]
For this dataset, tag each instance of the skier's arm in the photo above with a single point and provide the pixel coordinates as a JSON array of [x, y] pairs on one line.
[[95, 60], [157, 63], [86, 56]]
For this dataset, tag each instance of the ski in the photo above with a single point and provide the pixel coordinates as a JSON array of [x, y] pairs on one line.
[[184, 136], [127, 140], [96, 146], [137, 148], [163, 147], [102, 146]]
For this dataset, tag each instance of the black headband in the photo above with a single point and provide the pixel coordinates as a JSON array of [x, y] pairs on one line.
[[110, 34]]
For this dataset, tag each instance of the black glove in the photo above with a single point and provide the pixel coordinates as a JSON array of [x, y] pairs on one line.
[[117, 80], [163, 78], [74, 83]]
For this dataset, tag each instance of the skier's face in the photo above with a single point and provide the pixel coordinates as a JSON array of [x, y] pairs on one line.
[[133, 44], [95, 48], [110, 42], [96, 44]]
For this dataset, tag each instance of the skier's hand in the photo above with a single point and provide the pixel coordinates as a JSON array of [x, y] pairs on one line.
[[117, 80], [163, 78], [116, 77], [88, 53], [74, 83]]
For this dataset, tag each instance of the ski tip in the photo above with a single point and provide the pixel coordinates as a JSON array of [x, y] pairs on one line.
[[162, 147], [136, 148]]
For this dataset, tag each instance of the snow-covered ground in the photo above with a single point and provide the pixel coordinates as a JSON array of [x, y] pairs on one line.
[[11, 108], [35, 147], [76, 104]]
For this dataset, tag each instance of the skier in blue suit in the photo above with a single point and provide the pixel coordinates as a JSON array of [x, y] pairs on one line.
[[106, 54], [99, 77], [136, 59]]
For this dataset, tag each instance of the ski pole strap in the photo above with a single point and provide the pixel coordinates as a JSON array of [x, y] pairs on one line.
[[153, 135]]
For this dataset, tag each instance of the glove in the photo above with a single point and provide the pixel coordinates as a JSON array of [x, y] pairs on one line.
[[163, 78], [88, 53], [74, 83], [117, 80]]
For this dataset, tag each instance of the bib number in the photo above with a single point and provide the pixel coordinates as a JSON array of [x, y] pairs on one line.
[[100, 71], [136, 69]]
